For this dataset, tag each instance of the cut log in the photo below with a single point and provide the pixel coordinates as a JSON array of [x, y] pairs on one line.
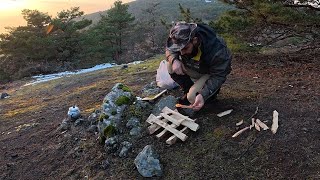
[[186, 120], [262, 125], [172, 139], [256, 125], [252, 123], [154, 127], [174, 121], [239, 132], [224, 113], [177, 133], [275, 120], [163, 132]]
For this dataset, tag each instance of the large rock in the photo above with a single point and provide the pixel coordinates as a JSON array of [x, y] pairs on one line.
[[133, 122], [113, 106], [147, 162], [169, 101], [150, 89]]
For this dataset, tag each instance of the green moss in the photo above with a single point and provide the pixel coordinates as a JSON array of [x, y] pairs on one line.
[[136, 112], [120, 86], [109, 131], [113, 112], [124, 88], [102, 117], [122, 100], [101, 139]]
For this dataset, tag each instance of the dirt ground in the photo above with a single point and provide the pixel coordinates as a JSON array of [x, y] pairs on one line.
[[32, 148]]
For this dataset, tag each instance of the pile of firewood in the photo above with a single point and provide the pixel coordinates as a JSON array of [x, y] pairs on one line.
[[258, 125]]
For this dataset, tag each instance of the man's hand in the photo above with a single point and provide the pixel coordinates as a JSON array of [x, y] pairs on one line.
[[178, 67], [198, 103]]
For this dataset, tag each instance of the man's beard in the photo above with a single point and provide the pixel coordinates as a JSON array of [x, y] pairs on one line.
[[194, 51]]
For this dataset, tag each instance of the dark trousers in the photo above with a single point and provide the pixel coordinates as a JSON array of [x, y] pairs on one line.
[[184, 81]]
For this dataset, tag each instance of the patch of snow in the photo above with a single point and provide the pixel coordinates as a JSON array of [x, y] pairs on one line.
[[48, 77]]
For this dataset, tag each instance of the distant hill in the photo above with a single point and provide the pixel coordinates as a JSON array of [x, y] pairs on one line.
[[169, 10]]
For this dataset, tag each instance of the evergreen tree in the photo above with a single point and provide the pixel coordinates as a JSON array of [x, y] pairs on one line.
[[115, 25]]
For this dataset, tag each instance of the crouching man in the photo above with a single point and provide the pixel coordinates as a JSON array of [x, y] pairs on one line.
[[198, 60]]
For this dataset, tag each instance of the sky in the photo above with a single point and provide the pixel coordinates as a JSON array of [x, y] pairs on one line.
[[10, 10]]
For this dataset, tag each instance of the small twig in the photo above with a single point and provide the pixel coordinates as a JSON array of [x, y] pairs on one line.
[[254, 114], [248, 147]]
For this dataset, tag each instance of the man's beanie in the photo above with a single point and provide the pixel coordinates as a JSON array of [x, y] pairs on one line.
[[180, 35]]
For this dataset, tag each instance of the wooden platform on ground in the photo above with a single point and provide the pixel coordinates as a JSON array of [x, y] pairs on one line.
[[171, 122]]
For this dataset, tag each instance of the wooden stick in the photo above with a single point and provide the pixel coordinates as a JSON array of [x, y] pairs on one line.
[[239, 123], [239, 132], [262, 125], [173, 139], [275, 120], [174, 121], [154, 97], [184, 106], [224, 113], [256, 125], [168, 110]]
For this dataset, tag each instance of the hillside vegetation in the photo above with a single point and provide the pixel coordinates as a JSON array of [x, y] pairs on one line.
[[34, 148], [138, 30], [275, 66]]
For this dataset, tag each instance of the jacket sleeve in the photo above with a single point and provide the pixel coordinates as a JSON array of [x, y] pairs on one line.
[[220, 67]]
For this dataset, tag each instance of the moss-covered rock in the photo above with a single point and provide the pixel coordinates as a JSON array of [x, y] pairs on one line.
[[109, 131], [124, 88], [113, 112], [102, 117], [122, 100]]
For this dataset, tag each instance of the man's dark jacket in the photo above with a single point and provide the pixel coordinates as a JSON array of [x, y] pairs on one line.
[[215, 60]]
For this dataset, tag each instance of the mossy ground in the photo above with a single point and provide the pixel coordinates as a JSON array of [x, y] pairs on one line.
[[269, 82]]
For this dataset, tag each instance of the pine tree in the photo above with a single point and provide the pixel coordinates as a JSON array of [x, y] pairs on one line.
[[116, 25]]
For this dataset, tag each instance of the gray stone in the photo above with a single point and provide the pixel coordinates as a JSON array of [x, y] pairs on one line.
[[64, 125], [124, 152], [126, 147], [105, 164], [92, 128], [111, 149], [136, 131], [79, 121], [126, 144], [93, 118], [109, 105], [133, 122], [147, 162], [4, 95], [111, 141], [169, 101], [150, 89]]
